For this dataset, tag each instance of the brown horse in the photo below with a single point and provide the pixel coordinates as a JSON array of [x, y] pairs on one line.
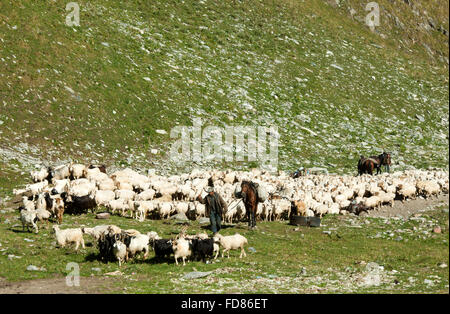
[[250, 197], [367, 165]]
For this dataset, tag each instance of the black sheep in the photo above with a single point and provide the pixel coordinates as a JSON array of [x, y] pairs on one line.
[[162, 247], [202, 248], [106, 242], [80, 204]]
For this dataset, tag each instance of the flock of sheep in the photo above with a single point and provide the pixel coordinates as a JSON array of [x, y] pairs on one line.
[[76, 188], [121, 245]]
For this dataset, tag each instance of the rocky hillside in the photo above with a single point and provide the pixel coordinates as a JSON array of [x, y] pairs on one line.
[[335, 89]]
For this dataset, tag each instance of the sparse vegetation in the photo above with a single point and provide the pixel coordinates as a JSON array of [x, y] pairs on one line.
[[99, 91], [284, 258]]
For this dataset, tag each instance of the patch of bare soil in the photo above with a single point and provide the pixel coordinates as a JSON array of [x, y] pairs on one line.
[[88, 285], [409, 207]]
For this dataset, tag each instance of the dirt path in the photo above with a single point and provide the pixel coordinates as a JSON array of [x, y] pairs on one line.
[[91, 285], [409, 207]]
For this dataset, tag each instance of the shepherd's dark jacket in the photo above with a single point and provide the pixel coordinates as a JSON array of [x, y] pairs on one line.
[[213, 203]]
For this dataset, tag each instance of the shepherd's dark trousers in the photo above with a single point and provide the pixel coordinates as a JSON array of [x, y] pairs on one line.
[[216, 222]]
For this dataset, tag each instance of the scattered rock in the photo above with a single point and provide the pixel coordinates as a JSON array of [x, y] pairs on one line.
[[180, 217], [437, 229], [203, 221], [28, 240], [442, 265], [197, 274], [252, 249], [373, 275], [103, 216], [114, 273], [96, 269], [420, 118], [35, 268], [428, 282]]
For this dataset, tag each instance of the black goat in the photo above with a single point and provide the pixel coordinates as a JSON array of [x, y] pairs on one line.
[[356, 208], [162, 247], [202, 248], [80, 204], [106, 242]]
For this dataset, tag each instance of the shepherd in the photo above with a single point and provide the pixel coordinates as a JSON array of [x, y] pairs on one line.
[[215, 206]]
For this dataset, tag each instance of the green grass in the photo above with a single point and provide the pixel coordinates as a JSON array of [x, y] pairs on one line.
[[285, 260]]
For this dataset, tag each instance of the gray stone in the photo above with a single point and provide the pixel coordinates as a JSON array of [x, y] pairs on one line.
[[251, 249], [428, 282], [180, 217], [103, 216], [203, 221], [35, 268]]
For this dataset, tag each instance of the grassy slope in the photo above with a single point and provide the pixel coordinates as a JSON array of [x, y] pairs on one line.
[[303, 261], [80, 93]]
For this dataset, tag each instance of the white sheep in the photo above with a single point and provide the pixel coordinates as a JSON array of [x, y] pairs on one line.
[[118, 205], [372, 202], [37, 188], [181, 207], [200, 209], [29, 205], [61, 185], [97, 231], [66, 236], [120, 252], [40, 175], [126, 195], [29, 218], [428, 188], [406, 190], [107, 184], [139, 243], [145, 195], [104, 197], [82, 189], [61, 172], [77, 170], [233, 242], [181, 248], [165, 209]]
